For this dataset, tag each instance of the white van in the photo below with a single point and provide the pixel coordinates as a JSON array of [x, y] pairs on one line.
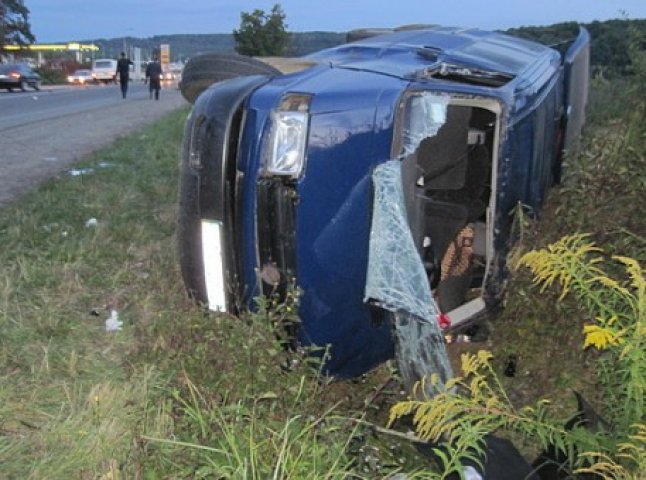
[[104, 70]]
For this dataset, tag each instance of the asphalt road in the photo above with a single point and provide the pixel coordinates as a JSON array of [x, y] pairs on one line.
[[43, 133]]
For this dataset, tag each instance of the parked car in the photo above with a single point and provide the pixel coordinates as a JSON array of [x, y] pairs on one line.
[[18, 75], [104, 70], [378, 178], [167, 76], [81, 77]]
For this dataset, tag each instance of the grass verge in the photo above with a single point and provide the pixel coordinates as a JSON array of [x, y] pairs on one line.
[[600, 195], [71, 400]]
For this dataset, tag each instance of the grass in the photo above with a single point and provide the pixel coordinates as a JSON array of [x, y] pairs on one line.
[[600, 196], [71, 399], [178, 393]]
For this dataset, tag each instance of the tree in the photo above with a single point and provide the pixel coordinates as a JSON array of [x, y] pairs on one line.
[[262, 34], [14, 24]]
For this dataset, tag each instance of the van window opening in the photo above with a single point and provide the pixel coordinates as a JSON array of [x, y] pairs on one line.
[[449, 186]]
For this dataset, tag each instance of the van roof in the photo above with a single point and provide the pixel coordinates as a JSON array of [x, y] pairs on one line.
[[405, 52]]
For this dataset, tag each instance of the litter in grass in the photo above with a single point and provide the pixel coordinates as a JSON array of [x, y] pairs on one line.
[[113, 323], [471, 473], [510, 368], [92, 222], [50, 227], [75, 172]]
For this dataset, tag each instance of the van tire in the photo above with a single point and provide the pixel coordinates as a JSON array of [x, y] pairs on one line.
[[203, 70]]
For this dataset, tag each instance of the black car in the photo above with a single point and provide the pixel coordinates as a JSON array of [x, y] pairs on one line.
[[18, 75]]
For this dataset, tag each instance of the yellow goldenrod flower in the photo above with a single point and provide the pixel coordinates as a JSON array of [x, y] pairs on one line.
[[599, 337]]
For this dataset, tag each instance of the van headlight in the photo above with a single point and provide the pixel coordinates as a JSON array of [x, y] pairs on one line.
[[285, 150]]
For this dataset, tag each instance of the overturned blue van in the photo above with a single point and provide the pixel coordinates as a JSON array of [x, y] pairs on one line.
[[378, 178]]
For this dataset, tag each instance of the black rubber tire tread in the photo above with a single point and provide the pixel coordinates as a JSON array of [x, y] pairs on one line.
[[363, 33], [205, 69]]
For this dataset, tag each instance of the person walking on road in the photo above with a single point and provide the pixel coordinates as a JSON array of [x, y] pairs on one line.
[[153, 74], [123, 70]]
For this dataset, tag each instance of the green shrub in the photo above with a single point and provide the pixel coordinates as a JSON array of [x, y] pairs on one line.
[[52, 76], [476, 404]]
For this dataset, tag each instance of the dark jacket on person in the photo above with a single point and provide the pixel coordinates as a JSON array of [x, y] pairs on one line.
[[153, 72], [123, 68]]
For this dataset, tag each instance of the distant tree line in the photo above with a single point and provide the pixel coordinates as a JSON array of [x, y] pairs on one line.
[[184, 46], [611, 41]]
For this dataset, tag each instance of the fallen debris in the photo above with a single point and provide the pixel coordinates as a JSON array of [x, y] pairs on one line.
[[113, 323], [75, 172]]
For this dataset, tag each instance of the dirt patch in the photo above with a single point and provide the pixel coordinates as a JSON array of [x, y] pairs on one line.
[[34, 153]]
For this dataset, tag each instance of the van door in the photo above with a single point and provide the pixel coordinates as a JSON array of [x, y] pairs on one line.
[[576, 65]]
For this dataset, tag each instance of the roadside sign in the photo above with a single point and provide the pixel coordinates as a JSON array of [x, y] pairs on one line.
[[164, 55]]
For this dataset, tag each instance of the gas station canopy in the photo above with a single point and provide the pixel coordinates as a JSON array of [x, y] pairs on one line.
[[72, 46]]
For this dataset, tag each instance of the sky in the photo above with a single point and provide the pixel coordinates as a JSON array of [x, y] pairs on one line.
[[77, 20]]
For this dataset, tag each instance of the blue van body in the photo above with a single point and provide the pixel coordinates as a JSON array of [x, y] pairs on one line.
[[287, 174]]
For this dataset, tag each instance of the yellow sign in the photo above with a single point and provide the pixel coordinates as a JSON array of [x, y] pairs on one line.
[[164, 54]]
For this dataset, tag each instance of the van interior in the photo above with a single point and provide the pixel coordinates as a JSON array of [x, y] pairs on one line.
[[449, 188]]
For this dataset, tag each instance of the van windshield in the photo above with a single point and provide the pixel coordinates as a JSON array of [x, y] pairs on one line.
[[102, 65]]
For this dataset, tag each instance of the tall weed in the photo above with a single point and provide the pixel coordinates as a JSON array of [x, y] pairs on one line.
[[476, 404]]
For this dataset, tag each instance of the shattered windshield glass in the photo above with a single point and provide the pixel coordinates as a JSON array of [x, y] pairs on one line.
[[396, 276], [397, 281], [426, 113]]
